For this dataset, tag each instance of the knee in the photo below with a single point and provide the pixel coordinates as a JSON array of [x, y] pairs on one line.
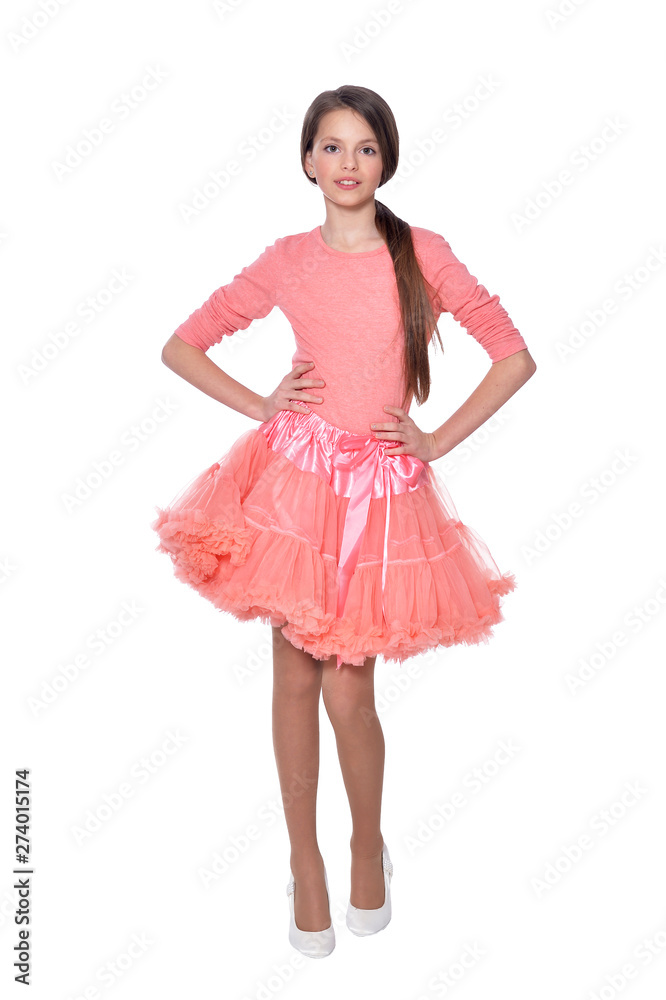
[[294, 672], [349, 705], [297, 680]]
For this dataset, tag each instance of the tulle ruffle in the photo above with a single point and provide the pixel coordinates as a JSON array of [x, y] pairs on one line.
[[261, 538]]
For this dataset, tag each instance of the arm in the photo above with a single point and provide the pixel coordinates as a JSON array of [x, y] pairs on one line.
[[194, 365], [250, 295], [485, 319], [500, 383]]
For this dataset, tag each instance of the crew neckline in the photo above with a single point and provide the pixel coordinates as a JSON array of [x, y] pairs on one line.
[[346, 253]]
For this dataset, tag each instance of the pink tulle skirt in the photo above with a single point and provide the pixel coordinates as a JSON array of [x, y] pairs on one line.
[[351, 552]]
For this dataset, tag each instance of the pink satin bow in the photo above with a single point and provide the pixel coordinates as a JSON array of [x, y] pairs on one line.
[[371, 469], [291, 434]]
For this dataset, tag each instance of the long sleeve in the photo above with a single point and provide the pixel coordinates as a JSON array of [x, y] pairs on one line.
[[470, 303], [251, 294]]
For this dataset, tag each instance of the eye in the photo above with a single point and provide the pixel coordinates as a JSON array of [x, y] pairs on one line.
[[332, 145]]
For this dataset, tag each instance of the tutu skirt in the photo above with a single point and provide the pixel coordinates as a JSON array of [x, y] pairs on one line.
[[350, 551]]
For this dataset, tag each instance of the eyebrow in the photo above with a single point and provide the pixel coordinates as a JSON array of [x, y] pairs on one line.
[[340, 140]]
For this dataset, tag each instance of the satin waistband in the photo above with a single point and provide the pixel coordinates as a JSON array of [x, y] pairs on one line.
[[315, 445], [355, 466]]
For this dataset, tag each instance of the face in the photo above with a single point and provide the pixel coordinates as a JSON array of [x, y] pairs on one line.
[[345, 148]]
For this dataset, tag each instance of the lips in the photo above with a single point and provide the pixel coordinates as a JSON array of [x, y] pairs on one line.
[[344, 183]]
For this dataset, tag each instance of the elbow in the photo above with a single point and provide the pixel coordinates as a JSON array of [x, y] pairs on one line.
[[518, 368], [526, 362], [172, 350], [167, 352], [528, 367], [521, 361]]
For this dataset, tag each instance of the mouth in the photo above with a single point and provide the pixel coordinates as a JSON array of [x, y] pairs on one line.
[[347, 185]]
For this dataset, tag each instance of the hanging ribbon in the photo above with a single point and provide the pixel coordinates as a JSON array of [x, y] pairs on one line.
[[328, 454], [373, 465]]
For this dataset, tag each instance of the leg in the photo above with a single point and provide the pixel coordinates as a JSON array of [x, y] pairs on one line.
[[349, 699], [296, 693]]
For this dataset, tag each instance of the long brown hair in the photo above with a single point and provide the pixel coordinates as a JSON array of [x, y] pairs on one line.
[[417, 308]]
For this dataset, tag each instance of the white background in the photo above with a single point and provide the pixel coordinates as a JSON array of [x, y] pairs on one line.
[[481, 878]]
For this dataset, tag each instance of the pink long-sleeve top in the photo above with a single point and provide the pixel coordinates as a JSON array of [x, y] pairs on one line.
[[344, 310]]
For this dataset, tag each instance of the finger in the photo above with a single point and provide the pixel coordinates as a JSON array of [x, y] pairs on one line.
[[392, 426], [402, 418], [388, 440], [299, 384], [296, 391], [385, 430]]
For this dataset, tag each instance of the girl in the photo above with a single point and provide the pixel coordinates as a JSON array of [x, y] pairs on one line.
[[327, 520]]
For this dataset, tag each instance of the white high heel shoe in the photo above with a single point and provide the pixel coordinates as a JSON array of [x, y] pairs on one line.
[[363, 922], [314, 944]]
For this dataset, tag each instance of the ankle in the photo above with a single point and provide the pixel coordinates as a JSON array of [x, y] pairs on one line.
[[366, 847], [306, 861]]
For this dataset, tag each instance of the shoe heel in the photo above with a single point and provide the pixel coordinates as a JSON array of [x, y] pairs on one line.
[[365, 922], [313, 944]]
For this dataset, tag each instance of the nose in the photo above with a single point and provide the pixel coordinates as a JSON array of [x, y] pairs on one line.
[[349, 161]]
